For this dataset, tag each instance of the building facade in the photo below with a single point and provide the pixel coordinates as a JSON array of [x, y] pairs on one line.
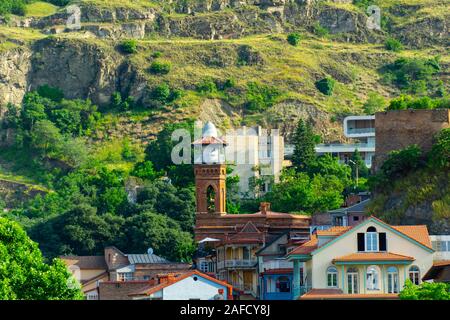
[[359, 128], [370, 260], [234, 239], [255, 155], [126, 271]]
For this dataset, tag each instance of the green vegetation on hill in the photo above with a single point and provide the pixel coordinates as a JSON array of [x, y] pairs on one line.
[[415, 184]]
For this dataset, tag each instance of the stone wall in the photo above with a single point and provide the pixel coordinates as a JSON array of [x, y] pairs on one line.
[[399, 129]]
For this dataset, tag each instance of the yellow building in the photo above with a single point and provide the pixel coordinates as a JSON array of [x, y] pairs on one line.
[[369, 260]]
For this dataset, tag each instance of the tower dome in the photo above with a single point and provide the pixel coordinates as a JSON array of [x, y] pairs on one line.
[[209, 130]]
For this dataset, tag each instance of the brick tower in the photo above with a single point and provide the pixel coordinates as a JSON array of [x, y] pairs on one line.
[[210, 172]]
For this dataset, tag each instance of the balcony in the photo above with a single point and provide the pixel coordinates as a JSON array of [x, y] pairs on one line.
[[236, 264], [277, 264], [360, 130], [342, 147]]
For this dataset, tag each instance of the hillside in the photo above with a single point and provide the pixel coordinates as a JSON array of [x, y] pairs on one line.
[[81, 103], [219, 41]]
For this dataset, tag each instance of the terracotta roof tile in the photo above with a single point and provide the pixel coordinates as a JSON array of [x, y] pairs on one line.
[[441, 263], [418, 233], [307, 247], [373, 256], [333, 231]]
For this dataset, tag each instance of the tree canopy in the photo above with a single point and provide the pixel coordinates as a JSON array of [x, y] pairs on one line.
[[23, 273]]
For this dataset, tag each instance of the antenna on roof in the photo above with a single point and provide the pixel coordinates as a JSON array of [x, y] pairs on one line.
[[150, 251]]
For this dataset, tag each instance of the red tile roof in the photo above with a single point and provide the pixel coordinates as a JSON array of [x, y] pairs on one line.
[[373, 256], [418, 233], [441, 263], [278, 271], [307, 247], [333, 231]]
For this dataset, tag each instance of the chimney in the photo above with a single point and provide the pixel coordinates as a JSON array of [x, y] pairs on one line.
[[264, 207]]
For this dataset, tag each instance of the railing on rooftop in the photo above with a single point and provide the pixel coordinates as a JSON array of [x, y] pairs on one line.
[[360, 130]]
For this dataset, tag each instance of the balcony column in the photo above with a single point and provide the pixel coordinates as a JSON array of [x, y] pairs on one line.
[[296, 285]]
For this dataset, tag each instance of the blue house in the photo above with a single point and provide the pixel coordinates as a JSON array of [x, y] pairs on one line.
[[275, 271], [277, 284]]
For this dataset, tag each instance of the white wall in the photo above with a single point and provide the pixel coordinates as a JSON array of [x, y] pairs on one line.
[[190, 289]]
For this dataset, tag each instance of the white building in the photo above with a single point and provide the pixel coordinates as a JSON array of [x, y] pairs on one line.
[[192, 285], [253, 153], [441, 246], [361, 128]]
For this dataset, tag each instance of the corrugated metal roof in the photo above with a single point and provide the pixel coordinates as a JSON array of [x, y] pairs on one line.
[[145, 258]]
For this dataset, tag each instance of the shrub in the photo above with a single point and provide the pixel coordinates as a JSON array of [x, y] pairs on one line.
[[156, 54], [404, 102], [392, 44], [207, 85], [160, 67], [412, 74], [260, 97], [401, 162], [129, 46], [294, 38], [319, 30], [374, 103], [439, 156], [326, 85], [161, 93], [51, 93]]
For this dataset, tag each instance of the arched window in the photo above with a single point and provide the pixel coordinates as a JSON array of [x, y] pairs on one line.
[[392, 273], [373, 278], [211, 199], [371, 239], [332, 277], [352, 281], [414, 274]]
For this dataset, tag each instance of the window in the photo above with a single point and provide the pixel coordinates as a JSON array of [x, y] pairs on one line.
[[355, 218], [373, 278], [338, 221], [93, 295], [414, 274], [352, 281], [371, 242], [392, 280], [246, 253], [206, 266], [125, 276], [283, 284], [332, 277]]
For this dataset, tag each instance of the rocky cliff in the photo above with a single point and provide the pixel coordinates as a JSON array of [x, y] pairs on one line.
[[247, 42]]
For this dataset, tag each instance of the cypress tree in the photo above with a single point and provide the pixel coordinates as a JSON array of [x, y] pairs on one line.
[[304, 142]]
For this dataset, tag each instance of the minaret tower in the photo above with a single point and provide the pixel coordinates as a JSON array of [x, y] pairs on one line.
[[210, 172]]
